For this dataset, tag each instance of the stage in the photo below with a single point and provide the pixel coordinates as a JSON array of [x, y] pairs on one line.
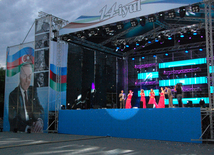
[[168, 124]]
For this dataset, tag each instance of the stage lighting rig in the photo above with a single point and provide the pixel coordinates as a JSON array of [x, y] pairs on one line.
[[161, 16], [195, 8], [152, 18], [134, 22], [142, 21], [172, 14], [119, 25], [182, 11]]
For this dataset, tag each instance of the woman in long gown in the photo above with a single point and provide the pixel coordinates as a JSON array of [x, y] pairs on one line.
[[152, 98], [161, 103], [129, 99], [143, 99]]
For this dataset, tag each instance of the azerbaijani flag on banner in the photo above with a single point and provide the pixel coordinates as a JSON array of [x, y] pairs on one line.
[[15, 61], [53, 78]]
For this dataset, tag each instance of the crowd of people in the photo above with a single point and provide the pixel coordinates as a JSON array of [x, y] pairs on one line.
[[126, 102]]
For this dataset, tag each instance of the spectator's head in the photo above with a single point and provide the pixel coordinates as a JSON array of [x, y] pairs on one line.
[[25, 76]]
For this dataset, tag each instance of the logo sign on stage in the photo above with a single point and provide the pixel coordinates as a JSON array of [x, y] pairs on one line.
[[120, 10]]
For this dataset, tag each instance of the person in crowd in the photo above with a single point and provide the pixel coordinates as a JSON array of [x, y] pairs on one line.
[[152, 98], [129, 99], [122, 97], [24, 107], [142, 99]]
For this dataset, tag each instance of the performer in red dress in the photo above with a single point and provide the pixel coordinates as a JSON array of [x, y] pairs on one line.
[[152, 98], [129, 99], [161, 103], [143, 99]]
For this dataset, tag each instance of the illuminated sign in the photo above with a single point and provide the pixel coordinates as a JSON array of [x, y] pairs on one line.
[[183, 63], [184, 81], [148, 75]]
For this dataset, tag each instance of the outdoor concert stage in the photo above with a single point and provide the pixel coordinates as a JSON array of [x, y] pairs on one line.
[[169, 124]]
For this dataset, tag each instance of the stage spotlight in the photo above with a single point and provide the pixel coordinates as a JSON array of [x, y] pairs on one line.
[[186, 51], [166, 54], [133, 58], [142, 21], [202, 103], [169, 38], [127, 46], [200, 49], [119, 25], [195, 8], [161, 16], [189, 103], [134, 22], [171, 14], [68, 106], [195, 33], [143, 57], [137, 44], [149, 42], [154, 56], [63, 107], [152, 18], [182, 11], [181, 35]]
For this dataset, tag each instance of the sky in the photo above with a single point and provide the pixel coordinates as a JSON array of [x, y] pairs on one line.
[[17, 17]]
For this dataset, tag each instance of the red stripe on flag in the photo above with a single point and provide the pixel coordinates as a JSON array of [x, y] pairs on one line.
[[53, 77]]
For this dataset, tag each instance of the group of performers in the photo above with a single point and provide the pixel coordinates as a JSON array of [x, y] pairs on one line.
[[160, 104]]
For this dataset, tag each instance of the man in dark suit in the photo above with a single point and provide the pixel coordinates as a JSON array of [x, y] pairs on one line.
[[24, 106], [169, 93]]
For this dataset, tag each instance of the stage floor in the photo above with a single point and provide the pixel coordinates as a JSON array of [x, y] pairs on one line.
[[170, 124]]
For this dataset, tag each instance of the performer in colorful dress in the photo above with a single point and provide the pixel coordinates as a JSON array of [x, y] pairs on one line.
[[161, 103], [143, 99], [152, 98], [129, 99]]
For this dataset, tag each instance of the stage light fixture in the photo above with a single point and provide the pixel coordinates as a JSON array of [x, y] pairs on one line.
[[169, 38], [149, 42], [154, 56], [166, 54], [152, 18], [195, 8], [200, 49], [137, 44], [186, 51], [63, 107], [156, 40], [181, 35], [143, 57], [182, 11], [127, 46], [161, 16], [142, 21], [202, 103], [195, 33], [134, 22], [189, 104], [171, 14], [133, 58], [119, 25]]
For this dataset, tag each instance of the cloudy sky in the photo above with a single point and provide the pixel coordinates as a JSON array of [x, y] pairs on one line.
[[17, 17]]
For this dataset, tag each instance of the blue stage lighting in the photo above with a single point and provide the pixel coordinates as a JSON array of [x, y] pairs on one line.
[[166, 54], [127, 46], [154, 56], [149, 42], [200, 49], [169, 38], [133, 58], [118, 48], [137, 44], [143, 57], [186, 51], [156, 40], [195, 33], [182, 36]]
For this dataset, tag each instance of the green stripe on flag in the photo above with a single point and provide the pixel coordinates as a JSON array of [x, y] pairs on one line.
[[56, 86], [14, 71]]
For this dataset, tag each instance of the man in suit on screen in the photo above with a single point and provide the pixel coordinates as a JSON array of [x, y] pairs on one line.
[[24, 107]]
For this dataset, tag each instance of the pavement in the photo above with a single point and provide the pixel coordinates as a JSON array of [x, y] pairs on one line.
[[63, 144]]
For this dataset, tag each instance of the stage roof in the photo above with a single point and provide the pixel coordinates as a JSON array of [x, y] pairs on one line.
[[101, 25]]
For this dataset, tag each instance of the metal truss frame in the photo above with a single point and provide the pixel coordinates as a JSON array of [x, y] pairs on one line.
[[169, 49]]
